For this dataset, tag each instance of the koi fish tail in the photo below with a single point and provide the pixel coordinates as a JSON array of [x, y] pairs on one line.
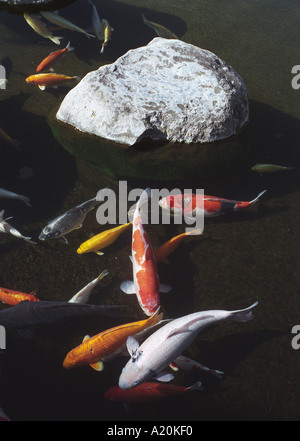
[[26, 200], [144, 197], [69, 48], [257, 198], [196, 386], [243, 315], [56, 40], [102, 275]]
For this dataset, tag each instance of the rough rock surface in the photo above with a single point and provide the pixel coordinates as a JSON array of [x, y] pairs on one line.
[[167, 90]]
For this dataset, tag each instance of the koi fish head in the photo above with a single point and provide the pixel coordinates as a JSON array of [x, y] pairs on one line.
[[49, 233], [133, 373], [177, 203], [70, 361], [30, 79]]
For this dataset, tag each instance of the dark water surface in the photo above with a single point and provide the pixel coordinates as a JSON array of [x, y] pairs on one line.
[[243, 257]]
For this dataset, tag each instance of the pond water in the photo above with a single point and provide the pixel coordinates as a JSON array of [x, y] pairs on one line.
[[247, 256]]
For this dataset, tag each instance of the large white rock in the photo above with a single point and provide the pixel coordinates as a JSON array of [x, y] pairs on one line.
[[166, 90]]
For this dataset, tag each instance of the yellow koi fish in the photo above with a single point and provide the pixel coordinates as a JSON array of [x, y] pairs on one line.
[[162, 253], [64, 23], [269, 168], [160, 30], [107, 30], [40, 28], [102, 240]]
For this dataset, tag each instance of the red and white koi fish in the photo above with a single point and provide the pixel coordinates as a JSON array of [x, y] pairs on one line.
[[52, 58], [145, 283], [11, 297], [163, 346], [209, 206], [148, 392], [187, 364]]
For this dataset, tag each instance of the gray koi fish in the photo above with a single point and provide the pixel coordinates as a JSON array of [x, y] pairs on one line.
[[67, 222]]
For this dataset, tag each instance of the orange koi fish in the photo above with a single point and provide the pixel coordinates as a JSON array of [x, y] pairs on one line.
[[11, 297], [147, 392], [93, 349], [44, 80], [53, 58], [102, 240], [162, 253], [145, 283], [208, 206]]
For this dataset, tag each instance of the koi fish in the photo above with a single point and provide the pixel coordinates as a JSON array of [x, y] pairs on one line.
[[148, 392], [11, 195], [107, 30], [93, 349], [163, 346], [50, 313], [44, 80], [64, 23], [40, 28], [145, 283], [5, 227], [269, 168], [11, 297], [84, 294], [162, 253], [13, 142], [68, 221], [96, 22], [53, 58], [187, 364], [208, 206], [102, 240], [160, 30]]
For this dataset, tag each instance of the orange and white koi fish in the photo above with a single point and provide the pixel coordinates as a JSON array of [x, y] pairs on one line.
[[52, 58], [162, 253], [145, 283], [11, 297], [192, 204], [44, 80], [187, 364], [102, 240], [84, 294], [93, 349], [148, 392], [40, 28]]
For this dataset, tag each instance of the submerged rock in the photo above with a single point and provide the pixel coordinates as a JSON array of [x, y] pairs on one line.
[[168, 90]]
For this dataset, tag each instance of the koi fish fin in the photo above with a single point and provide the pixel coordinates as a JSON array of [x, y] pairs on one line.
[[174, 366], [132, 347], [42, 87], [98, 366], [243, 315], [87, 337], [26, 200], [128, 287], [257, 198], [164, 287], [100, 253], [63, 239], [164, 377], [131, 259], [69, 48], [196, 386]]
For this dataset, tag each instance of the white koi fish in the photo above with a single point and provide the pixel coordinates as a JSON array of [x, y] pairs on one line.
[[96, 22], [10, 195], [145, 283], [7, 228], [64, 23], [167, 343], [84, 294]]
